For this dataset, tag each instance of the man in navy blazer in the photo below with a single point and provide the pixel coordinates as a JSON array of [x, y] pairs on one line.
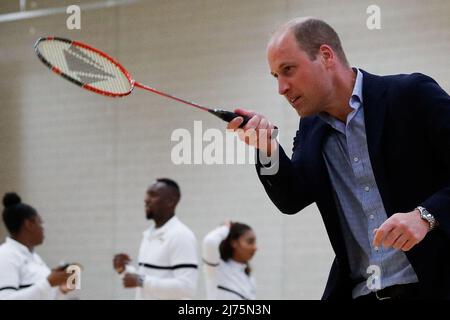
[[373, 152]]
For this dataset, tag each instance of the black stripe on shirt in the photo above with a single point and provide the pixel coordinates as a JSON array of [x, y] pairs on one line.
[[14, 288], [178, 266], [8, 288], [232, 291], [210, 264]]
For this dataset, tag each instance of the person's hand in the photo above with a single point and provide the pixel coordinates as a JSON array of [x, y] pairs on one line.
[[64, 288], [58, 277], [401, 231], [258, 132], [227, 223], [131, 280], [120, 261]]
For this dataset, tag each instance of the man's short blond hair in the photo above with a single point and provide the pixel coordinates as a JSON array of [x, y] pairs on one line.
[[311, 33]]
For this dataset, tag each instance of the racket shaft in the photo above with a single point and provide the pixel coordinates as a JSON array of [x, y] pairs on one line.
[[222, 114], [192, 104]]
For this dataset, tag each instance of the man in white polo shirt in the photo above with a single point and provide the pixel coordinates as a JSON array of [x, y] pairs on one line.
[[168, 258]]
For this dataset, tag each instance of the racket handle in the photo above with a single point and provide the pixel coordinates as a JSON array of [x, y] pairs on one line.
[[228, 116]]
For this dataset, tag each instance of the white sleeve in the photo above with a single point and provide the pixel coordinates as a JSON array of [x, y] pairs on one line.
[[211, 243], [41, 290], [211, 258], [184, 260], [10, 283], [128, 269]]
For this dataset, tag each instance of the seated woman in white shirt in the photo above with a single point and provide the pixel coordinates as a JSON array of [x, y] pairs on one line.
[[227, 251], [23, 274]]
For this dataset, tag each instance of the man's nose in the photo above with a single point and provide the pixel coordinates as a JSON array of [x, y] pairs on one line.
[[283, 87]]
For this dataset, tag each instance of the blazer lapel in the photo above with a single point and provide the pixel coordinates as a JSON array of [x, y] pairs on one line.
[[374, 112], [375, 105], [317, 169]]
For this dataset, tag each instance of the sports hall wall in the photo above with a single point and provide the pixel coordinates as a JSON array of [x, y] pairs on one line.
[[84, 160]]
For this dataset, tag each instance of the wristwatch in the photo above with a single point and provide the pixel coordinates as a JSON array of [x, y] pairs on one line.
[[425, 215]]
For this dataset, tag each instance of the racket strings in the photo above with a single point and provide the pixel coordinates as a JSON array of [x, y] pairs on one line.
[[85, 66]]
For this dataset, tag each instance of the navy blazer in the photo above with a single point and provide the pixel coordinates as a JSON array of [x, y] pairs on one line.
[[407, 120]]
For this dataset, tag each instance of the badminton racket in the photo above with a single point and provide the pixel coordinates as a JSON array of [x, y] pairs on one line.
[[96, 71]]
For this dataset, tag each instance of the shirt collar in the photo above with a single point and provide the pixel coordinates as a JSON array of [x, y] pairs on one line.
[[18, 246], [355, 103], [237, 265], [357, 90], [153, 231]]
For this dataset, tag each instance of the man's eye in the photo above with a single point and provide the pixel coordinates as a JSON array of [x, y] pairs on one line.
[[286, 70]]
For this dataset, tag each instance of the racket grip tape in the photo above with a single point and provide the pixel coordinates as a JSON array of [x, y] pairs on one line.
[[228, 116]]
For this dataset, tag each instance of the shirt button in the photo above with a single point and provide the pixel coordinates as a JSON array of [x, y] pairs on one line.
[[356, 159], [366, 188], [371, 217]]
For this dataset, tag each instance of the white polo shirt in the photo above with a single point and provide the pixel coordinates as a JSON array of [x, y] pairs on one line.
[[168, 259], [23, 274], [225, 280]]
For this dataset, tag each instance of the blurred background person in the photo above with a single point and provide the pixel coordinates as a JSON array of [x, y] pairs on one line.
[[168, 257], [227, 251], [23, 274]]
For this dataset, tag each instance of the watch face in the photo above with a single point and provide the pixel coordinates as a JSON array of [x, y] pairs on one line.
[[425, 215]]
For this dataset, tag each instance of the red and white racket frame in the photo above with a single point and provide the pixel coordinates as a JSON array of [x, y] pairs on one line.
[[223, 114], [77, 82]]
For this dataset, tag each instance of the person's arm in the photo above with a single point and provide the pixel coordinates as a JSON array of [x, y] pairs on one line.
[[184, 260], [10, 284], [211, 258], [282, 178], [434, 104], [211, 243], [287, 187], [431, 105], [285, 182]]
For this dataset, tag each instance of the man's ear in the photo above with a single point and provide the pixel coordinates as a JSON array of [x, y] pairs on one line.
[[171, 201], [327, 55], [233, 243]]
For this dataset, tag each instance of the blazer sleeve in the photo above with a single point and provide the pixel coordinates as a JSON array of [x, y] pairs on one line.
[[285, 183], [434, 106]]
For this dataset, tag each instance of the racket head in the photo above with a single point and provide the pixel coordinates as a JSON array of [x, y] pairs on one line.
[[84, 66]]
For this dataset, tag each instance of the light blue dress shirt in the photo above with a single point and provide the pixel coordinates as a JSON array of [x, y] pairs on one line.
[[359, 202]]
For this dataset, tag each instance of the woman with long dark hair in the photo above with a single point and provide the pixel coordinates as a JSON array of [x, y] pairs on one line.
[[227, 251]]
